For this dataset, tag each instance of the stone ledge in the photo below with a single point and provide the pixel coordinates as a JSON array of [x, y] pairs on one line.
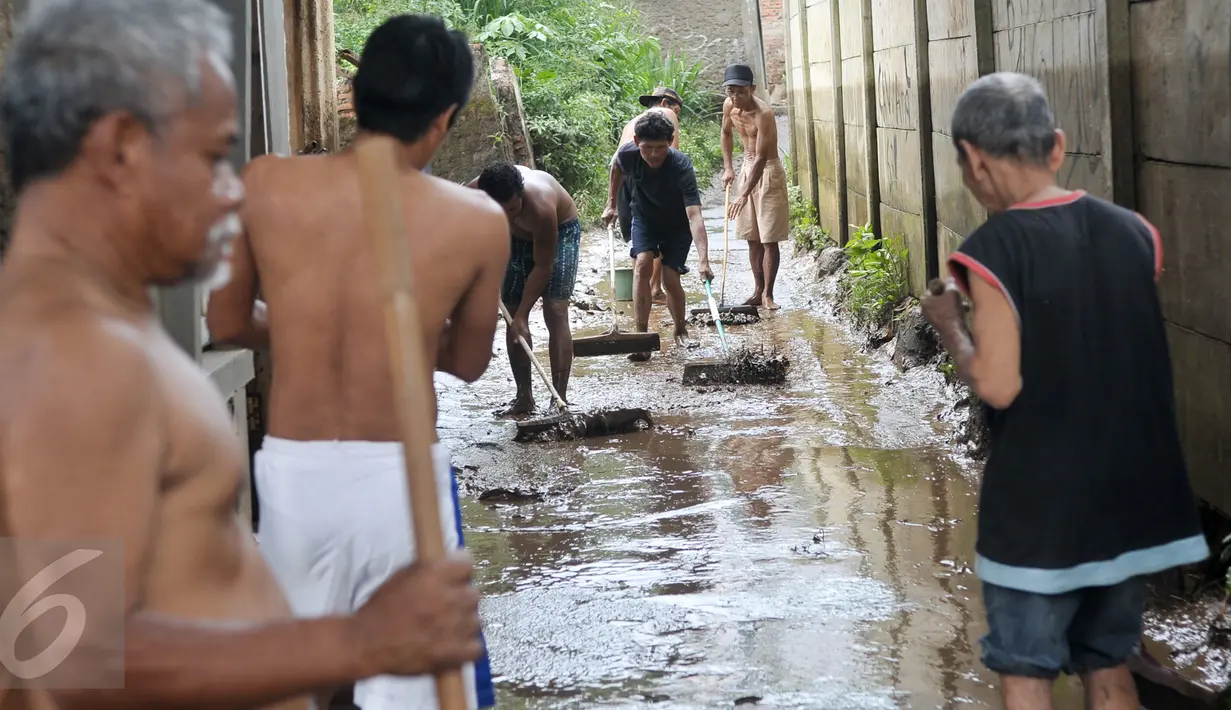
[[230, 370]]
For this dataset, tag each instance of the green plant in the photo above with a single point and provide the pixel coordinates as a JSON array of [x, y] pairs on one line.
[[875, 278], [805, 232]]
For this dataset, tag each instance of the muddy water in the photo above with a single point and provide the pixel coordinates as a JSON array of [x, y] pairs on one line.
[[805, 546]]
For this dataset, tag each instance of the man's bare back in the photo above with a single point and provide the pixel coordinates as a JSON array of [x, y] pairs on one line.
[[543, 192], [629, 128], [304, 226], [72, 349]]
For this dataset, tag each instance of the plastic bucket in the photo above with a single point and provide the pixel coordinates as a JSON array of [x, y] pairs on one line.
[[624, 284]]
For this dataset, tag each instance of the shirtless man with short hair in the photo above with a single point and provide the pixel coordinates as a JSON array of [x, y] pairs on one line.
[[667, 102], [119, 116], [545, 244], [331, 468], [762, 208]]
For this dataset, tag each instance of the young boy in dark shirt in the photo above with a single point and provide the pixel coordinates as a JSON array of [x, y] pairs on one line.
[[666, 218]]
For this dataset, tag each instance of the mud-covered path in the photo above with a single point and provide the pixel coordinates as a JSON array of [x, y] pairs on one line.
[[809, 546]]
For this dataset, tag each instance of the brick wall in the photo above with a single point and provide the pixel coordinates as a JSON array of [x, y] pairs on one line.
[[773, 36]]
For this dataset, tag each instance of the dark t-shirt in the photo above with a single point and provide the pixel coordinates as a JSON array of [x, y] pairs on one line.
[[1085, 482], [659, 196]]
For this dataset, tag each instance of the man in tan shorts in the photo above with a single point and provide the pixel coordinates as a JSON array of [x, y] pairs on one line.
[[667, 102], [761, 210], [330, 477], [120, 116]]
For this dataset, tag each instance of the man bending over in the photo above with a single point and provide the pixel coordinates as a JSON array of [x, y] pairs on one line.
[[761, 210], [666, 218], [667, 102], [546, 237], [330, 476], [1086, 493]]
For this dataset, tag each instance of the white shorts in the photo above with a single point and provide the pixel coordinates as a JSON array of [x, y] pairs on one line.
[[334, 525]]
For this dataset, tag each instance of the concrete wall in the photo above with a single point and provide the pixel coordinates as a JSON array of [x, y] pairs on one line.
[[895, 64], [1142, 89], [773, 46], [714, 32], [1181, 86]]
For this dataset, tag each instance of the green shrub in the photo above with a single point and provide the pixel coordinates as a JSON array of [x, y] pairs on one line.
[[875, 277], [581, 66], [805, 232]]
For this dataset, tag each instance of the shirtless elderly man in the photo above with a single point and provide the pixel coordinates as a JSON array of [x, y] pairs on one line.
[[761, 209], [545, 238], [667, 102], [119, 116], [330, 479]]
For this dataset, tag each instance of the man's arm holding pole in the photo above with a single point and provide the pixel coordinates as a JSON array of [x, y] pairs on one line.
[[544, 232], [767, 147], [613, 189], [696, 223], [988, 360]]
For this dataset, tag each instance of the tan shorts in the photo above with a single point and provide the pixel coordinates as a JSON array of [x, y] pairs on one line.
[[767, 216]]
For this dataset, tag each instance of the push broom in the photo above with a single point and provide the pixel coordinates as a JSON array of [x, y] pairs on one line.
[[613, 342], [382, 216], [569, 425]]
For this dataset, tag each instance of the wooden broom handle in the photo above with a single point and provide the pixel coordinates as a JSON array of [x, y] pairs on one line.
[[726, 244], [390, 253]]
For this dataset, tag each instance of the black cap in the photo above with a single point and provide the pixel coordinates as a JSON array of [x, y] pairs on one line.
[[738, 75], [657, 97]]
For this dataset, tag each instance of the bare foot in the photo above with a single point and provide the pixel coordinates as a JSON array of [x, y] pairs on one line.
[[639, 357], [658, 297], [518, 407], [682, 340], [770, 304], [755, 300]]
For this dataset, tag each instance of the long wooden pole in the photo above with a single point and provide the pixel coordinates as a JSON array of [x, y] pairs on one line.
[[726, 244], [382, 216]]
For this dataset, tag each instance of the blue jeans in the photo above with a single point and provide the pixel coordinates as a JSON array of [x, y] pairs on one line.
[[485, 688], [1044, 635]]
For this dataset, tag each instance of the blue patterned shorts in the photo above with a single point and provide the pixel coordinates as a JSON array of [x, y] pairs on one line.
[[563, 272]]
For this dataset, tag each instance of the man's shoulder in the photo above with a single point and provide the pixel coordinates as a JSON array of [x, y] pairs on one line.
[[270, 166], [628, 148], [479, 212], [1110, 213], [627, 155], [62, 347], [680, 159]]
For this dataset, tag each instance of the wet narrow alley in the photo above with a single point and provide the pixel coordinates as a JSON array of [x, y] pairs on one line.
[[807, 546]]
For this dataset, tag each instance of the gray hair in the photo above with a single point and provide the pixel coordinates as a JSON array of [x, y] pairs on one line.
[[1006, 115], [74, 61]]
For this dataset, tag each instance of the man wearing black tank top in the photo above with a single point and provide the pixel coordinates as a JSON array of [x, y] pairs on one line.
[[1085, 490]]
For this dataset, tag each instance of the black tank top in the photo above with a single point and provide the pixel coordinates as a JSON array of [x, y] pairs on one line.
[[1085, 482]]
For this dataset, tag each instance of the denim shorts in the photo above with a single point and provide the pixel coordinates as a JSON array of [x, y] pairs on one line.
[[673, 248], [1044, 635]]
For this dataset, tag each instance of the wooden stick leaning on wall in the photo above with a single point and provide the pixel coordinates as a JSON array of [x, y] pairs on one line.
[[382, 217]]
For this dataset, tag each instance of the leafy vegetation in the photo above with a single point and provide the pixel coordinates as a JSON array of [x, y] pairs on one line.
[[805, 232], [581, 65], [875, 278]]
